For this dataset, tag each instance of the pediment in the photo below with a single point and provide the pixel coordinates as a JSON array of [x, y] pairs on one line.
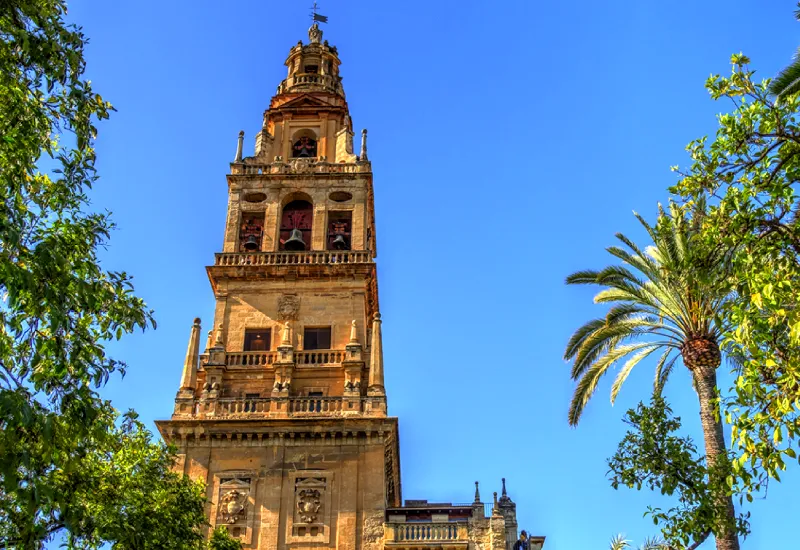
[[305, 100], [235, 484]]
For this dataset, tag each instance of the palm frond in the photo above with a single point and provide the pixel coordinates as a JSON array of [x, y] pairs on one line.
[[627, 368], [619, 542], [589, 379], [578, 337], [603, 339], [587, 277], [788, 80], [663, 370], [654, 543]]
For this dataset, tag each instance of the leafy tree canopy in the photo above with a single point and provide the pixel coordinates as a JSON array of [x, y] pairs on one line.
[[653, 455], [749, 174], [70, 467]]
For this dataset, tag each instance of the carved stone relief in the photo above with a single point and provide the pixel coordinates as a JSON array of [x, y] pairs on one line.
[[288, 307], [232, 505], [235, 491], [311, 520]]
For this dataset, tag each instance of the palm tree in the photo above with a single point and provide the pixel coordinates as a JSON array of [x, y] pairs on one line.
[[666, 299], [788, 80]]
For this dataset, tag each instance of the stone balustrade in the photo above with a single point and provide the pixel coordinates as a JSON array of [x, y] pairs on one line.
[[251, 359], [423, 532], [315, 405], [315, 80], [243, 407], [319, 357], [300, 166], [312, 257]]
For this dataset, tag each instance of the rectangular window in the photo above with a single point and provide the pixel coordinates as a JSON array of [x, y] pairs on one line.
[[257, 339], [317, 338], [314, 69], [339, 225]]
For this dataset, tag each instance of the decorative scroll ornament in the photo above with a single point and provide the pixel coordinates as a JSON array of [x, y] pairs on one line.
[[232, 505], [288, 307], [308, 505]]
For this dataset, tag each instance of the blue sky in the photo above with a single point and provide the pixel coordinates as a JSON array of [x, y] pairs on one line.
[[510, 141]]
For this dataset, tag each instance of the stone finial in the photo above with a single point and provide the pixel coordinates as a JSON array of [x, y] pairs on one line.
[[363, 155], [376, 358], [353, 333], [504, 488], [219, 342], [286, 336], [477, 493], [495, 500], [239, 147], [315, 34], [189, 376], [209, 340]]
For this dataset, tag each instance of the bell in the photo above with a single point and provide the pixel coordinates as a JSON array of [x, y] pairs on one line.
[[295, 241], [339, 243], [251, 244]]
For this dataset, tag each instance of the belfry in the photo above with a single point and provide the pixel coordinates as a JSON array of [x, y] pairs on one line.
[[284, 413]]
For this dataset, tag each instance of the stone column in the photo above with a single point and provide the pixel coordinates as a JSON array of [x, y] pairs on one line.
[[376, 360]]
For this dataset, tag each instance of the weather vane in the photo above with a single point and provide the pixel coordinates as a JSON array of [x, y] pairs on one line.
[[316, 17]]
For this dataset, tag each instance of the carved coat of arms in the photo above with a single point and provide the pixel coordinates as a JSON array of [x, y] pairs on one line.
[[232, 505], [288, 307], [308, 505]]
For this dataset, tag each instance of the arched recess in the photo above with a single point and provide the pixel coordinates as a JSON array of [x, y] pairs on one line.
[[296, 222], [304, 144]]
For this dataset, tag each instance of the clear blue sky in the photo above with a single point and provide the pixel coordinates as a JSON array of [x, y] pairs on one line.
[[510, 141]]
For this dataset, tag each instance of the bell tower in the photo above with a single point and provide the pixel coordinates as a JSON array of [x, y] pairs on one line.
[[283, 415]]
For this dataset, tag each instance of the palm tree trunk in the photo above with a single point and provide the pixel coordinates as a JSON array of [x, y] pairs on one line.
[[705, 378]]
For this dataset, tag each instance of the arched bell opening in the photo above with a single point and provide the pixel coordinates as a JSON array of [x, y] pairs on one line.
[[251, 231], [296, 226], [339, 230], [304, 144]]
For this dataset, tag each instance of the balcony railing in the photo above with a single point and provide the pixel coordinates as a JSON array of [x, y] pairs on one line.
[[251, 359], [315, 405], [319, 357], [427, 532], [309, 166], [243, 407], [315, 257], [314, 358]]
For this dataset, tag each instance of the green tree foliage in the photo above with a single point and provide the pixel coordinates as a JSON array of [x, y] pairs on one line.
[[70, 467], [654, 456], [666, 302], [749, 175]]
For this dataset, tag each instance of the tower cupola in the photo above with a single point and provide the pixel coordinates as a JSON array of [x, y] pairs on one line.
[[312, 67]]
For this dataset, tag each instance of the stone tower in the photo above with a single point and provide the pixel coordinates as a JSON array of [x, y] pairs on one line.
[[284, 414]]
